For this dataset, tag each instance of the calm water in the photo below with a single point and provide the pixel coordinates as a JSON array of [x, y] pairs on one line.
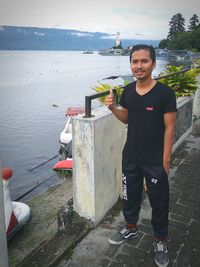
[[30, 83]]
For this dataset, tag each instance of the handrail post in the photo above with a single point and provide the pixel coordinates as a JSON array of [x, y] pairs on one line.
[[88, 101], [87, 107]]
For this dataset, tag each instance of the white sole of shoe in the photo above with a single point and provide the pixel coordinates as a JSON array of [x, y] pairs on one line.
[[115, 242], [161, 265], [112, 242]]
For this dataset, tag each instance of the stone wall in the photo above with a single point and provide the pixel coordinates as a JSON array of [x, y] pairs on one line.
[[184, 119]]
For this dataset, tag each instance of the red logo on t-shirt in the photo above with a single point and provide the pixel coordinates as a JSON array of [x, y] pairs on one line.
[[149, 108]]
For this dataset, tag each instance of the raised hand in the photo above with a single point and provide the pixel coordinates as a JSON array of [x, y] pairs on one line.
[[109, 101]]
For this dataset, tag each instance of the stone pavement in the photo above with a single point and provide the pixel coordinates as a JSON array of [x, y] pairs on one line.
[[184, 225]]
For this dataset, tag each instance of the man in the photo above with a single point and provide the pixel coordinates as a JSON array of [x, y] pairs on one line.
[[149, 109]]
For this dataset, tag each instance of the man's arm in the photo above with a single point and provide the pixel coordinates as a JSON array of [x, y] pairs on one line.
[[170, 122], [120, 113]]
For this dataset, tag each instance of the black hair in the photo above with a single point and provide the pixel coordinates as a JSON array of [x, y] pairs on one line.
[[150, 48]]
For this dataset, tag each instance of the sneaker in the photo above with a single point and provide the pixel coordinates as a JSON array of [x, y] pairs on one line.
[[161, 256], [123, 235]]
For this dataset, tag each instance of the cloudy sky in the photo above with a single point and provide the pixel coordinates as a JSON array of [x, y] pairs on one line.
[[143, 19]]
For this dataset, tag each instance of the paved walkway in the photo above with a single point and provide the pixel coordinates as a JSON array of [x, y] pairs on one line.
[[184, 227]]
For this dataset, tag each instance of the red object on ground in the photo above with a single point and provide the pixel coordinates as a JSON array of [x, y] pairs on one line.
[[74, 111], [6, 173], [66, 164], [13, 222]]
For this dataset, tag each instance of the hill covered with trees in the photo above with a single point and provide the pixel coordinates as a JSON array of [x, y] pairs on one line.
[[31, 38]]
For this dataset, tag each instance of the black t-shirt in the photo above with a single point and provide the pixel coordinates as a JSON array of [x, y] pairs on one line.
[[145, 137]]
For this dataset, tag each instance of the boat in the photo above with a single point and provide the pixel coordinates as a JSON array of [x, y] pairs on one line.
[[162, 53], [88, 52], [65, 165], [180, 55], [17, 214], [114, 52]]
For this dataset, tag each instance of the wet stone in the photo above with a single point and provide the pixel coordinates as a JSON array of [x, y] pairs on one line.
[[146, 243], [135, 241], [116, 264], [185, 256], [179, 218], [129, 260], [192, 242], [197, 214], [146, 222], [111, 251], [104, 262], [135, 252], [145, 229], [195, 227]]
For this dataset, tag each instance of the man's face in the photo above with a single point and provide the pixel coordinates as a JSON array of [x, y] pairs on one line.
[[141, 64]]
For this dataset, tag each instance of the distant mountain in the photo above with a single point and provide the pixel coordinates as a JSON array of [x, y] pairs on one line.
[[31, 38]]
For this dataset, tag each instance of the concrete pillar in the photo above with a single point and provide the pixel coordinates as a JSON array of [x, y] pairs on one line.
[[97, 150]]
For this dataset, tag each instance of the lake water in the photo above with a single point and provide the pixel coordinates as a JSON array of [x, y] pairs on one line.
[[31, 82]]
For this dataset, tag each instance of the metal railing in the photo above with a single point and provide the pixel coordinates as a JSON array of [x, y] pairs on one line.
[[88, 99]]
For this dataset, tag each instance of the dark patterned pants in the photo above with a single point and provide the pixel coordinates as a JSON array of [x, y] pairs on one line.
[[157, 190]]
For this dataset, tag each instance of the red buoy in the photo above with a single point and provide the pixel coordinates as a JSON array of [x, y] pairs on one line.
[[6, 173]]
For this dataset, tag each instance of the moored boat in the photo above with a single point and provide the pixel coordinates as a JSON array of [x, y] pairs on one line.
[[17, 214]]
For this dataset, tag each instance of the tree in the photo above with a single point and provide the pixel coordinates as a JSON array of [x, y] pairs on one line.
[[194, 22], [178, 38], [186, 40], [177, 25], [163, 44]]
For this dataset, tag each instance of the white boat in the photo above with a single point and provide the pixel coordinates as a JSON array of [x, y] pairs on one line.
[[17, 214], [66, 162]]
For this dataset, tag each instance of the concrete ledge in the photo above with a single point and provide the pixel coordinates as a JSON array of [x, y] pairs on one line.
[[60, 246], [43, 225]]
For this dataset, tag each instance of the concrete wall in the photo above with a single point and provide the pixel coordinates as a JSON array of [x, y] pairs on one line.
[[184, 120], [97, 147], [196, 103]]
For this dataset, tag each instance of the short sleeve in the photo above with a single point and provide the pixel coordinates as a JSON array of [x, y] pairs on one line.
[[126, 92], [170, 101]]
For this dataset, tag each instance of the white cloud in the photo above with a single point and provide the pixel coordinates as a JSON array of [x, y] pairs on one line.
[[39, 33], [81, 34], [112, 36], [21, 30]]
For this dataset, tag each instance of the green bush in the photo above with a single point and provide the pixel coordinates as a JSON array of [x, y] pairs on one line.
[[104, 87], [183, 84]]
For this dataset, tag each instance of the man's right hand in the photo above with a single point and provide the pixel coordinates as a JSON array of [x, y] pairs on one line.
[[109, 100], [121, 114]]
